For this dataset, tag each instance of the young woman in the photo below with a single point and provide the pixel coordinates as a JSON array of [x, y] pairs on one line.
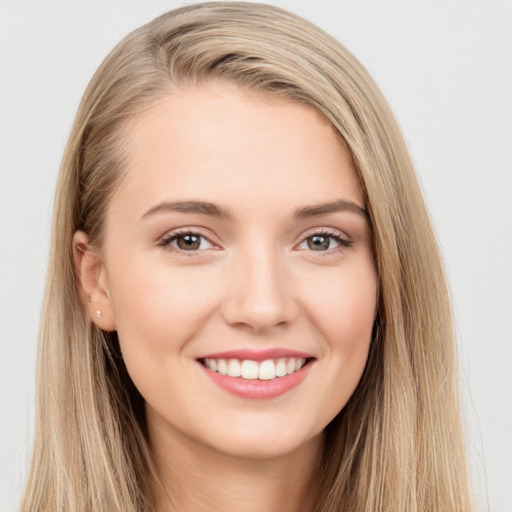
[[246, 307]]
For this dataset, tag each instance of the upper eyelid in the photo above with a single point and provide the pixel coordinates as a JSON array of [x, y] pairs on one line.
[[187, 230], [325, 231]]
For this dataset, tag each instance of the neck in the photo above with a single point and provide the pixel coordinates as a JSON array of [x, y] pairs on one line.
[[196, 478]]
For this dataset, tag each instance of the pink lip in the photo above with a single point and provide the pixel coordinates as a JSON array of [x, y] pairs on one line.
[[255, 388], [256, 355]]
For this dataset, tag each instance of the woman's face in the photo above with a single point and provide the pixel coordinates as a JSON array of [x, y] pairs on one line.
[[237, 243]]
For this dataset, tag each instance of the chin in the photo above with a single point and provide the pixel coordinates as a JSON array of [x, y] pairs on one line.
[[260, 442]]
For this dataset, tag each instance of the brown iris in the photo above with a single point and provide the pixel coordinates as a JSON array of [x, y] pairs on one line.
[[318, 243], [188, 242]]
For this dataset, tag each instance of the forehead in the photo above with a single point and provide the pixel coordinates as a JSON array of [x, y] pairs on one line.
[[223, 143]]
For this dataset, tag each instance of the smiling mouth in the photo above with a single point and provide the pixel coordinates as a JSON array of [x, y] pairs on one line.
[[268, 369]]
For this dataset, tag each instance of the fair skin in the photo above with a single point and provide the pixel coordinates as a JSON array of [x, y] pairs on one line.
[[239, 226]]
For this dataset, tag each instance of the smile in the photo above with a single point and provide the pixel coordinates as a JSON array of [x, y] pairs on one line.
[[257, 374], [267, 369]]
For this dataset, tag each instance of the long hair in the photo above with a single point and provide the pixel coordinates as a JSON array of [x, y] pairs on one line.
[[398, 444]]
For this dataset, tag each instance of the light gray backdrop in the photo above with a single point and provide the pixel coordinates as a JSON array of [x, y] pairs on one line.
[[446, 68]]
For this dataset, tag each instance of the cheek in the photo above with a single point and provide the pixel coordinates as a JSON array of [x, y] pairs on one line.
[[158, 309], [344, 314], [345, 307]]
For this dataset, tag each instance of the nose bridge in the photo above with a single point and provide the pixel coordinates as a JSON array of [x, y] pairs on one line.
[[259, 293]]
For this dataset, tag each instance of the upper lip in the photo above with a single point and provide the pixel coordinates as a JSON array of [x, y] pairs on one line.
[[257, 355]]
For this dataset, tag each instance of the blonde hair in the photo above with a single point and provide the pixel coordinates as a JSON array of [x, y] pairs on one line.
[[398, 444]]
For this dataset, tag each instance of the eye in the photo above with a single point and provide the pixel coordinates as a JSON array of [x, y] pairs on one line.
[[187, 241], [322, 242]]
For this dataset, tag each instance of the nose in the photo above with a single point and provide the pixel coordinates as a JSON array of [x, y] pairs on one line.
[[259, 292]]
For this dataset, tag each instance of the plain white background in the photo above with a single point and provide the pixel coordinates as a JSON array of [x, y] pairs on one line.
[[446, 69]]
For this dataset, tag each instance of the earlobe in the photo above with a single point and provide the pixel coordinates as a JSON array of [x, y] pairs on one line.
[[93, 282]]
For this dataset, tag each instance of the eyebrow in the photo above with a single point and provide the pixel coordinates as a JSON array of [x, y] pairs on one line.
[[333, 207], [202, 207], [213, 210]]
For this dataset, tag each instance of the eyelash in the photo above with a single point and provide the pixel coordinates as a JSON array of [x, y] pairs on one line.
[[167, 240], [344, 243]]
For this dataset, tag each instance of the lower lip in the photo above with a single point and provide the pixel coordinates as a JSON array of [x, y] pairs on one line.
[[258, 389]]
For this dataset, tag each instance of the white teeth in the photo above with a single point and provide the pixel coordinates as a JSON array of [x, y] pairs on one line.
[[267, 370], [234, 368], [281, 368], [223, 367], [249, 369]]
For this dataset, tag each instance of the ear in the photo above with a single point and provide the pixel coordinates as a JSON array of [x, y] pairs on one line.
[[94, 286]]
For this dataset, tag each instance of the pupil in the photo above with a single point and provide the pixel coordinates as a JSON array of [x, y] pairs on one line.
[[188, 242], [318, 243]]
